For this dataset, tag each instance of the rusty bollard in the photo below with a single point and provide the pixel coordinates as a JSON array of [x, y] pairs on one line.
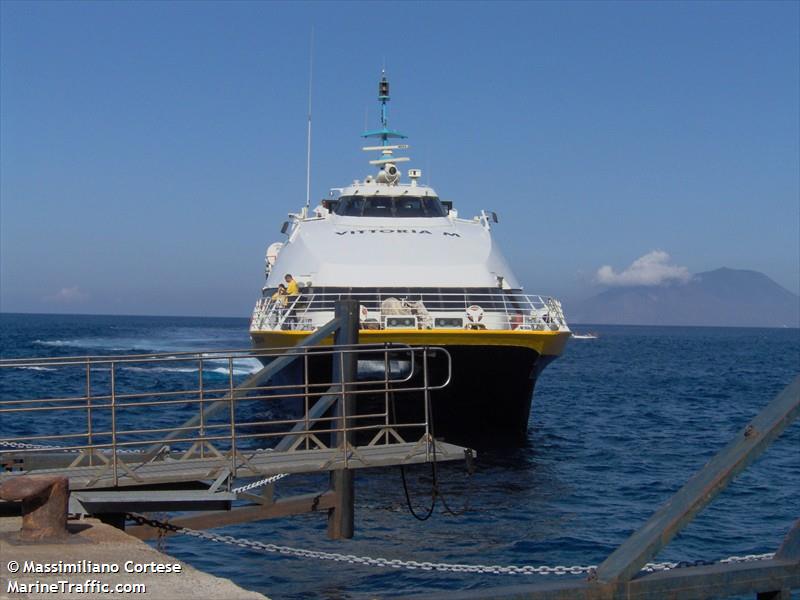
[[45, 499]]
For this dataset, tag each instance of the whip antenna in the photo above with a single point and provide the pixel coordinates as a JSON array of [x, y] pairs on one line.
[[308, 140]]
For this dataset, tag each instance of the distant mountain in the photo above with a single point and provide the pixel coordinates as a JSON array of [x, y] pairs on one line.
[[724, 297]]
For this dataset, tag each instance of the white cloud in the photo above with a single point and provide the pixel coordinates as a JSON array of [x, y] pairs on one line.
[[68, 295], [651, 269]]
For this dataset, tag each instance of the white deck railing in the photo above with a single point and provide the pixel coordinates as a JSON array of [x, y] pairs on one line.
[[497, 311]]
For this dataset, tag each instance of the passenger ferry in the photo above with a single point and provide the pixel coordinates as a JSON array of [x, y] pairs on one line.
[[423, 276]]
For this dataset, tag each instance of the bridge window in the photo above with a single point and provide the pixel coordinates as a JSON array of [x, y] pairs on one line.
[[378, 206], [389, 206], [409, 207]]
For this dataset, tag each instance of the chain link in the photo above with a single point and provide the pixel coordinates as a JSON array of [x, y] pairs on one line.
[[748, 558], [162, 525], [424, 565], [385, 562], [665, 566], [259, 483], [7, 444], [26, 446]]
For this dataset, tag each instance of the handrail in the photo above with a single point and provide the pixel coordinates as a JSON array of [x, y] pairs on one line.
[[268, 371], [287, 310], [114, 439], [493, 311]]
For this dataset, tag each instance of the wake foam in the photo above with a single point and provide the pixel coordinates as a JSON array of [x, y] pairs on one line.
[[241, 367], [56, 343], [115, 345]]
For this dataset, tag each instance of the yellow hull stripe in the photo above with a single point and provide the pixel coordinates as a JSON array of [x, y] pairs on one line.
[[546, 343]]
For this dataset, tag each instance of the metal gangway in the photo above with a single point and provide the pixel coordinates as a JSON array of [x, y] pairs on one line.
[[130, 439]]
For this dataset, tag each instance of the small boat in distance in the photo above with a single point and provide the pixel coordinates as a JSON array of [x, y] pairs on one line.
[[424, 275]]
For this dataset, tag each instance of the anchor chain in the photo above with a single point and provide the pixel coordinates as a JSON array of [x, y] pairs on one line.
[[666, 566], [421, 565]]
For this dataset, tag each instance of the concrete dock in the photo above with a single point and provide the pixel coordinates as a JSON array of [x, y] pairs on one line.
[[99, 561]]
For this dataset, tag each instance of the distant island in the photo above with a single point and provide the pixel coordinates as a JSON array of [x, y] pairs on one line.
[[723, 298]]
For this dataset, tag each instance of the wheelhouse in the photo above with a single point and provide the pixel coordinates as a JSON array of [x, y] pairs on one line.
[[389, 206]]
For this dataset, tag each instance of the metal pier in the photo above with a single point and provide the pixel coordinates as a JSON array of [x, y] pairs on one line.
[[127, 444]]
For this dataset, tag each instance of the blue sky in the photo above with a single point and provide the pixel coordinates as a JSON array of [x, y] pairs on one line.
[[150, 151]]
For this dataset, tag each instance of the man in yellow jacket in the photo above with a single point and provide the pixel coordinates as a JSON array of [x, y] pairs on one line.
[[291, 286], [292, 292]]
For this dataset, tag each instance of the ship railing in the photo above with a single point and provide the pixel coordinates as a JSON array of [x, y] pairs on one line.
[[125, 414], [280, 313], [501, 311]]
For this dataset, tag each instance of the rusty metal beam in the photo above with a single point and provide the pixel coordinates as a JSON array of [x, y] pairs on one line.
[[282, 508], [703, 487], [341, 517]]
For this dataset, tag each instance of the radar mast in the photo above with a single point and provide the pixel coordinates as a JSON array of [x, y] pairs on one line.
[[388, 171]]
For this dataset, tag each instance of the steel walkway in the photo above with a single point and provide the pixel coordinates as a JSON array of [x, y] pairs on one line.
[[259, 463], [117, 427]]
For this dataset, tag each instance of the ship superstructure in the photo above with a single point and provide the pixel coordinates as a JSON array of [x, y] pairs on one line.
[[423, 275]]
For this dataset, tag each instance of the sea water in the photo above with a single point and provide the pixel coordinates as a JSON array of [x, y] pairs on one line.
[[619, 423]]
